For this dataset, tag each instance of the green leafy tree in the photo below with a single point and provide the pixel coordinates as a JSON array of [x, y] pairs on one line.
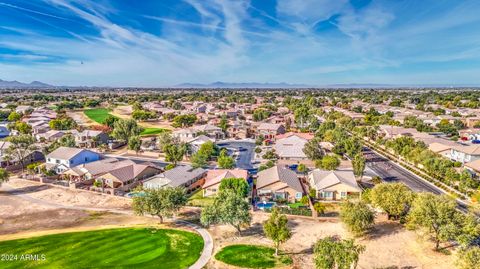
[[21, 147], [302, 168], [162, 203], [135, 144], [328, 162], [23, 127], [305, 200], [223, 124], [208, 149], [330, 253], [124, 129], [164, 139], [393, 198], [229, 208], [110, 121], [67, 140], [226, 162], [199, 160], [270, 155], [320, 207], [437, 216], [184, 120], [358, 217], [276, 229], [358, 164], [14, 116], [237, 185], [63, 123], [313, 150], [4, 176], [174, 153]]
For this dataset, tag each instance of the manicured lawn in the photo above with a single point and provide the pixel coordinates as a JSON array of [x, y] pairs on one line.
[[118, 248], [250, 256], [97, 114], [296, 205], [152, 131], [197, 199]]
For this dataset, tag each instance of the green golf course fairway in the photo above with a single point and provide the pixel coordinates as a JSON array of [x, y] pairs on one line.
[[97, 114], [118, 248], [251, 256]]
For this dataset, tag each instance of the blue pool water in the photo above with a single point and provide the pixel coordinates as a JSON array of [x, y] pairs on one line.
[[135, 194], [263, 205]]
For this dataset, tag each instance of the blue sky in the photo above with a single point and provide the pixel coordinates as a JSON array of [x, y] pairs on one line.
[[166, 42]]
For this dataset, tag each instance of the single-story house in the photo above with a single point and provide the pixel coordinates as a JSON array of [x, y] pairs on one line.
[[127, 177], [279, 182], [291, 148], [51, 135], [333, 185], [11, 165], [92, 170], [215, 177], [181, 176]]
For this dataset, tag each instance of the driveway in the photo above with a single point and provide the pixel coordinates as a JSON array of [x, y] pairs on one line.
[[244, 160]]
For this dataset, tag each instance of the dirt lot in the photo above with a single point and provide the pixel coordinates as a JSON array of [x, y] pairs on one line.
[[389, 245], [23, 217], [125, 112], [66, 196], [81, 118]]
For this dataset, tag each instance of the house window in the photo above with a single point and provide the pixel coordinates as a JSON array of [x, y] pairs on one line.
[[343, 194], [298, 195], [57, 161], [327, 194]]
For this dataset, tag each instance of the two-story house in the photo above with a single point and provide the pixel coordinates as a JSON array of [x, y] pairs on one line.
[[65, 158], [465, 154]]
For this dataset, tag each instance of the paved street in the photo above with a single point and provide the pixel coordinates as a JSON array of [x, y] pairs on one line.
[[391, 172], [244, 161]]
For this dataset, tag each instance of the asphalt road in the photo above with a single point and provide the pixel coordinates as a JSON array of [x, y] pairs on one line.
[[244, 160], [389, 171]]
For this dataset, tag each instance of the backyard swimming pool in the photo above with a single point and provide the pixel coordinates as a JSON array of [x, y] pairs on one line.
[[263, 205]]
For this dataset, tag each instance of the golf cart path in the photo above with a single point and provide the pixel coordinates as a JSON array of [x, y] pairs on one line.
[[207, 238]]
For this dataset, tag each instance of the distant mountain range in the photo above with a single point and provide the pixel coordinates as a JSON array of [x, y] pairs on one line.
[[240, 85], [220, 84], [17, 84]]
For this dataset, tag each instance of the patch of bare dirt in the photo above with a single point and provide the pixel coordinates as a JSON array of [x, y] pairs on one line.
[[67, 196], [388, 245]]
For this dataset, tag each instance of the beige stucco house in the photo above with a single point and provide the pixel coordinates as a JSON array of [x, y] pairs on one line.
[[334, 185], [279, 182]]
